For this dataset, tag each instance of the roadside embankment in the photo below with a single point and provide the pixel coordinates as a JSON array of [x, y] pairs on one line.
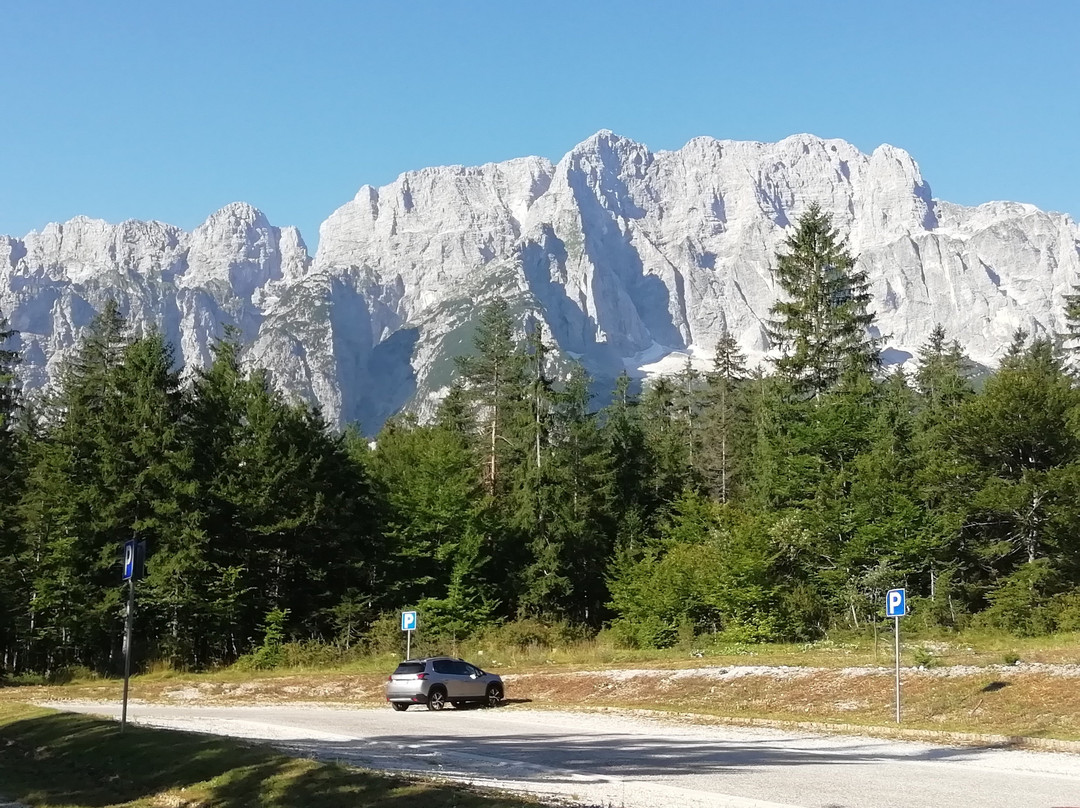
[[1025, 700]]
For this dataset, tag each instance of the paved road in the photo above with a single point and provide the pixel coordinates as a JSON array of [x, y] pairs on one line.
[[632, 762]]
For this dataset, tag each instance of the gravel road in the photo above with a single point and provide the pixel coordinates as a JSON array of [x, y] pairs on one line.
[[636, 762]]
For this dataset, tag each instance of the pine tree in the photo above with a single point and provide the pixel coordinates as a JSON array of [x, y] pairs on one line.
[[823, 323], [624, 434], [436, 526], [78, 508], [688, 402], [493, 376], [568, 517], [726, 417], [943, 372], [162, 498], [666, 439], [1072, 321], [1019, 435], [15, 592], [541, 396]]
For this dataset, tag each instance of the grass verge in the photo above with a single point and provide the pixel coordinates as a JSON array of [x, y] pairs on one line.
[[50, 759]]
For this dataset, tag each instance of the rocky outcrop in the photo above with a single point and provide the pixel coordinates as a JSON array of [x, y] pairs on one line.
[[634, 259]]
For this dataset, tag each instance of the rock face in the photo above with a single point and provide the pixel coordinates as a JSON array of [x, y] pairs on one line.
[[633, 259]]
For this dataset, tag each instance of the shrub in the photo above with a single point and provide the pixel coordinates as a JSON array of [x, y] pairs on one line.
[[384, 635], [1019, 604], [925, 658], [1064, 610], [270, 654]]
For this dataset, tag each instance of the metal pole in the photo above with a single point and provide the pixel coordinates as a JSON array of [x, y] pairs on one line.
[[897, 619], [408, 644], [127, 648]]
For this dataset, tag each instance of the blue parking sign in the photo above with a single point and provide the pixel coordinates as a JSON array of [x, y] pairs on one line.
[[408, 621], [896, 603], [129, 560]]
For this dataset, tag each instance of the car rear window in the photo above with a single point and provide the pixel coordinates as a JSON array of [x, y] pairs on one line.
[[410, 667]]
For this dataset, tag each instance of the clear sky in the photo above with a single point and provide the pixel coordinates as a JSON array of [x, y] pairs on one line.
[[169, 110]]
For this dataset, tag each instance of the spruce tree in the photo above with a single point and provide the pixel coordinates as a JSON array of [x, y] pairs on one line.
[[666, 438], [570, 531], [493, 376], [15, 592], [822, 323], [436, 525], [1014, 505], [624, 435], [726, 418]]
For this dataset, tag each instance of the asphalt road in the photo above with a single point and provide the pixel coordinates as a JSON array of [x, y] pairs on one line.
[[636, 762]]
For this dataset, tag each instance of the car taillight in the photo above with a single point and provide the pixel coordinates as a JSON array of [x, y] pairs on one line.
[[421, 676], [390, 678]]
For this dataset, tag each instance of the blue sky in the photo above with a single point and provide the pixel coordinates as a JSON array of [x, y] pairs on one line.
[[170, 110]]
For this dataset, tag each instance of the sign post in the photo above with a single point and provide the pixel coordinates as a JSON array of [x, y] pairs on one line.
[[408, 625], [896, 607], [134, 561]]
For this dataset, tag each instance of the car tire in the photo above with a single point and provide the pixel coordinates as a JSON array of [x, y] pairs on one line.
[[399, 706], [436, 698], [494, 695]]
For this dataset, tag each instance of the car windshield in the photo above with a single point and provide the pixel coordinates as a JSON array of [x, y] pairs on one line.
[[410, 667]]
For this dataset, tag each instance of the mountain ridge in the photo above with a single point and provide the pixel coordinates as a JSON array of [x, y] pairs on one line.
[[627, 255]]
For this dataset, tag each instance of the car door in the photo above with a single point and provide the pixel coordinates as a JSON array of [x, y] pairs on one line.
[[449, 677], [474, 680]]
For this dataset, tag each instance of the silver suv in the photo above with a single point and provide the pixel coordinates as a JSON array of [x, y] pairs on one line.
[[434, 681]]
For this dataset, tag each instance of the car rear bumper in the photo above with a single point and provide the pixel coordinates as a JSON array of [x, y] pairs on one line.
[[406, 698]]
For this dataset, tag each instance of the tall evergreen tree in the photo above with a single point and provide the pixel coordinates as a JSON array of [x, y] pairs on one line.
[[822, 324], [12, 474], [436, 525], [726, 418], [667, 439], [493, 376], [1020, 437], [624, 434], [571, 529]]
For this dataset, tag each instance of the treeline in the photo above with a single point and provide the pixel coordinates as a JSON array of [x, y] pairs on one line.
[[773, 503]]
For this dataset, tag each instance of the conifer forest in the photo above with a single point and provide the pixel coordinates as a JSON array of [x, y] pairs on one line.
[[776, 502]]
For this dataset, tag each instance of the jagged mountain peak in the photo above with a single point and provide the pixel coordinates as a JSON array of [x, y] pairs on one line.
[[236, 215], [633, 259]]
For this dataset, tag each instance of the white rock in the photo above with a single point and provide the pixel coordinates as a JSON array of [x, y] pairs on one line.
[[633, 258]]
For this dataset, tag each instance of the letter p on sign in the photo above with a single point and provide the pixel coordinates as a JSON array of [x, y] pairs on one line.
[[896, 603]]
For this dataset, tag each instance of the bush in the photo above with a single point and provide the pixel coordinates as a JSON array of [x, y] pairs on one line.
[[270, 654], [1020, 604], [529, 632], [1064, 610], [925, 658], [649, 632], [384, 635]]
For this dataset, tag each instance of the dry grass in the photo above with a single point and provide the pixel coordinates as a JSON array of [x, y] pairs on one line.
[[967, 687], [1023, 701]]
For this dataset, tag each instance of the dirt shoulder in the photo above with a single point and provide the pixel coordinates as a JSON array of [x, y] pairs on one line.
[[1002, 704]]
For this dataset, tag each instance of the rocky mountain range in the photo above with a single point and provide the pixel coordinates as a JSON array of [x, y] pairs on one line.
[[632, 259]]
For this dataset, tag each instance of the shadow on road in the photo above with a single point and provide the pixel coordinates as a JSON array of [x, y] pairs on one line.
[[565, 757]]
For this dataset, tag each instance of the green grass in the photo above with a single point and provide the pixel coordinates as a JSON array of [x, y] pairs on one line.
[[61, 760]]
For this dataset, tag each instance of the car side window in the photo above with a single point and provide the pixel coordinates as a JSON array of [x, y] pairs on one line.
[[471, 671], [457, 668], [443, 666]]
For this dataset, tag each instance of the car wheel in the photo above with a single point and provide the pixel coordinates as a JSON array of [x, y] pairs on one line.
[[436, 698], [494, 695], [399, 706]]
